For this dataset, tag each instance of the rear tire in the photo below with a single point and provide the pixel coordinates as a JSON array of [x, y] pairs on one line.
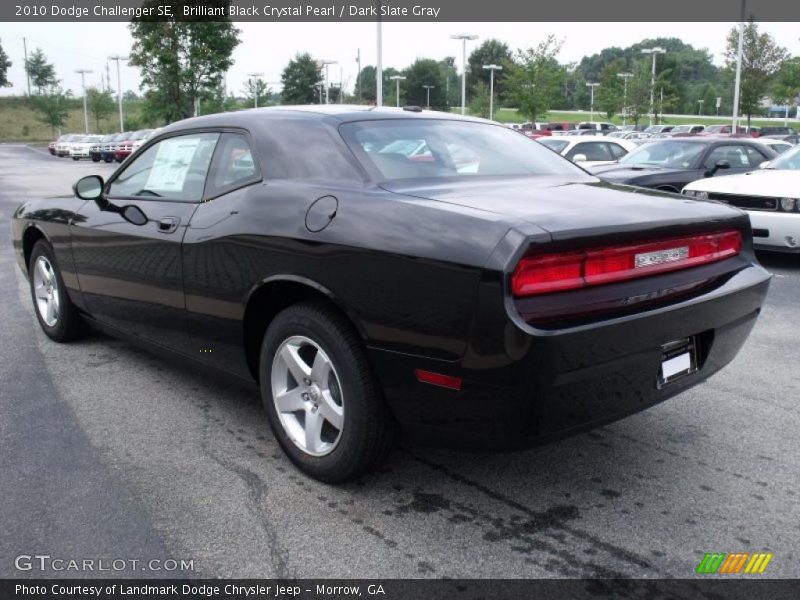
[[57, 315], [334, 394]]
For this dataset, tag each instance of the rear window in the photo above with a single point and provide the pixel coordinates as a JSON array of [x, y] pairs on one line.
[[424, 149]]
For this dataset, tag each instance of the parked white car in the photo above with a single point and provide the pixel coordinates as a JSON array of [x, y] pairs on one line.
[[778, 145], [589, 149], [64, 142], [80, 148], [770, 195]]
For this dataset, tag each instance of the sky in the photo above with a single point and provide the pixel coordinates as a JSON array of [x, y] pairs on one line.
[[267, 47]]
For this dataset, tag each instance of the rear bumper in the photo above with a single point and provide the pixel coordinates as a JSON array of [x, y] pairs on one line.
[[776, 231], [543, 387]]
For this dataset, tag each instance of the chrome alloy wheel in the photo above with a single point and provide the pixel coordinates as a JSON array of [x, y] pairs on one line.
[[307, 395], [45, 287]]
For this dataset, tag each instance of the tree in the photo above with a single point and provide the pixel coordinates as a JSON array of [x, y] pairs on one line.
[[41, 72], [4, 65], [300, 80], [422, 72], [609, 96], [761, 59], [255, 87], [479, 105], [99, 103], [52, 104], [787, 82], [490, 52], [536, 79], [181, 61], [639, 91]]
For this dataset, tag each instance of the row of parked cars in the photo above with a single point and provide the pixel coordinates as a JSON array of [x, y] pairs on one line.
[[761, 175], [109, 148]]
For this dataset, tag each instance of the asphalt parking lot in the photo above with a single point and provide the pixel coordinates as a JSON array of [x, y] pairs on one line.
[[108, 451]]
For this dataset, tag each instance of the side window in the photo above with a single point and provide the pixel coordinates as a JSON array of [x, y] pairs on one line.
[[616, 150], [739, 156], [592, 151], [234, 165], [173, 169]]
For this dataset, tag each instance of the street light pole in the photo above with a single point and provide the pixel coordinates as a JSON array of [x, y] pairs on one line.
[[428, 89], [397, 79], [83, 73], [326, 64], [118, 58], [700, 110], [625, 77], [739, 52], [464, 37], [256, 81], [492, 69], [591, 110], [655, 52]]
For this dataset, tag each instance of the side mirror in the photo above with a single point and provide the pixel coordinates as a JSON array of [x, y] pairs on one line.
[[764, 165], [89, 187], [579, 158], [133, 214], [721, 164]]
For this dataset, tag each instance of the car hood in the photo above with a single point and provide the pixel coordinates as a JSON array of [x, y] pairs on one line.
[[763, 182], [566, 208], [625, 172]]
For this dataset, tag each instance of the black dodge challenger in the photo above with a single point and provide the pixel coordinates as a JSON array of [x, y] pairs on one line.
[[390, 270]]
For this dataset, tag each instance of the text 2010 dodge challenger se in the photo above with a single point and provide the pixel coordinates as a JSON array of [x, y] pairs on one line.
[[384, 270]]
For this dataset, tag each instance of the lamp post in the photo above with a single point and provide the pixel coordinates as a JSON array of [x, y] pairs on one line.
[[591, 109], [118, 58], [83, 73], [256, 81], [428, 89], [739, 52], [625, 77], [464, 37], [492, 69], [654, 52], [700, 110], [397, 79], [326, 64]]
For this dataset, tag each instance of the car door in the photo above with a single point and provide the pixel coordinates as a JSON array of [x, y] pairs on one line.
[[742, 158], [216, 269], [130, 274]]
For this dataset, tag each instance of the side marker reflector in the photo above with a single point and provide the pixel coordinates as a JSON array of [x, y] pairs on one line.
[[445, 381]]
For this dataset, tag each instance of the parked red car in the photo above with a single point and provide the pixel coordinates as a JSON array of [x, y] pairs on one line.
[[126, 147]]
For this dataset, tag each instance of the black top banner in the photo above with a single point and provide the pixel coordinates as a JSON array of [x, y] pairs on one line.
[[401, 10]]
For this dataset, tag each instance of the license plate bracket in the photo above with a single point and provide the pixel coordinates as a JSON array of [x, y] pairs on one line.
[[678, 359]]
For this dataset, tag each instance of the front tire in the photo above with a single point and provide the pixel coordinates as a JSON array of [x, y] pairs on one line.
[[57, 315], [323, 403]]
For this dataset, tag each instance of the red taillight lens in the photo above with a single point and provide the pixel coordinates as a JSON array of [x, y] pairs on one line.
[[548, 273]]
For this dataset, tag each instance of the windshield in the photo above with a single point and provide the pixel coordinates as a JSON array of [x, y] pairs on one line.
[[430, 148], [682, 129], [667, 154], [788, 160]]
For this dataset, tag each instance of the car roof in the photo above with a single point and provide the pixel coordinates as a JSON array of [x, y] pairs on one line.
[[315, 112]]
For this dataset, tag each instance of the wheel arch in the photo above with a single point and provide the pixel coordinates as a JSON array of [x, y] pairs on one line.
[[273, 294], [30, 236]]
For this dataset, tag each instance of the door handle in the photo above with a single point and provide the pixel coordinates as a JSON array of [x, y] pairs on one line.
[[168, 224]]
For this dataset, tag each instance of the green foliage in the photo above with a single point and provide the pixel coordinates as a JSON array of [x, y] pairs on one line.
[[52, 104], [786, 84], [99, 103], [535, 81], [609, 95], [425, 71], [4, 65], [181, 62], [762, 57], [41, 72], [479, 105], [639, 91], [490, 52], [300, 79], [257, 88]]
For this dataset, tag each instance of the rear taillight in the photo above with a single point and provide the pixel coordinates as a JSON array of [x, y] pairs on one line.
[[557, 272]]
